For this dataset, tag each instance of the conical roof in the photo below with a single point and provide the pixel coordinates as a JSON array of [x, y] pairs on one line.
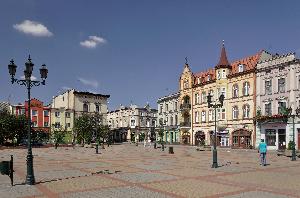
[[223, 62]]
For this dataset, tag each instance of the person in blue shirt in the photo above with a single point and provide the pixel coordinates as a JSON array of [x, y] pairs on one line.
[[262, 148]]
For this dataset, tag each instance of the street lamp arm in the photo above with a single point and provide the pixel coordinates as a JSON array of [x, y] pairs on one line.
[[31, 83]]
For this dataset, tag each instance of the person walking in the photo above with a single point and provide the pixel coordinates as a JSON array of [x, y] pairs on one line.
[[262, 149]]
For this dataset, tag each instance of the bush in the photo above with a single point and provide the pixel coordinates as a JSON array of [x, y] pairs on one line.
[[291, 145]]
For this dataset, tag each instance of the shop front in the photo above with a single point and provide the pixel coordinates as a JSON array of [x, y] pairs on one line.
[[222, 138], [241, 138]]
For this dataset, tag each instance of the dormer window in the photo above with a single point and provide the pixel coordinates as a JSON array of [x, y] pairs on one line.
[[241, 68], [198, 80], [208, 77]]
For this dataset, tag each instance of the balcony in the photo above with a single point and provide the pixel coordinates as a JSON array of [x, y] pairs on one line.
[[185, 106]]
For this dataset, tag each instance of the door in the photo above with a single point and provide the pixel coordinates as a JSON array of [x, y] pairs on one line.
[[281, 139], [298, 139]]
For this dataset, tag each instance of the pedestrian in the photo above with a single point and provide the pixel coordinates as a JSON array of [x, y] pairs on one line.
[[262, 149]]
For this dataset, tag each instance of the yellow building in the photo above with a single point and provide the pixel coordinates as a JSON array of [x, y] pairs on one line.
[[235, 126]]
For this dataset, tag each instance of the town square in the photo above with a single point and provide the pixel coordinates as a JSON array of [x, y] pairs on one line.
[[143, 98]]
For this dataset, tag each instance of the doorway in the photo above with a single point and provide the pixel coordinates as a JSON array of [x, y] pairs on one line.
[[281, 139]]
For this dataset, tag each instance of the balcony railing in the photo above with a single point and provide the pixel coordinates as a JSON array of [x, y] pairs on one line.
[[185, 106]]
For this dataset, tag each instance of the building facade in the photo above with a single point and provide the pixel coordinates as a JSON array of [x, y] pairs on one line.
[[168, 118], [71, 104], [278, 87], [40, 114], [235, 120], [134, 123]]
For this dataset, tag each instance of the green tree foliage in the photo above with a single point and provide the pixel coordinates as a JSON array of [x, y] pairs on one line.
[[57, 135], [83, 128], [12, 127]]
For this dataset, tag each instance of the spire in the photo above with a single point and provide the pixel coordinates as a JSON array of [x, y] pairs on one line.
[[223, 62]]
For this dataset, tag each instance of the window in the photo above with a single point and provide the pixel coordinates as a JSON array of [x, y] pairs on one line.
[[208, 77], [34, 123], [268, 87], [246, 111], [46, 113], [235, 112], [268, 109], [132, 122], [97, 108], [175, 106], [196, 116], [221, 91], [271, 137], [85, 107], [211, 115], [219, 74], [57, 125], [223, 73], [57, 114], [34, 112], [241, 68], [203, 97], [203, 116], [246, 88], [198, 80], [167, 107], [299, 82], [235, 91], [221, 114], [171, 120], [197, 98], [281, 85], [281, 107], [68, 125], [186, 84], [176, 119], [160, 109], [68, 114], [46, 124], [212, 94]]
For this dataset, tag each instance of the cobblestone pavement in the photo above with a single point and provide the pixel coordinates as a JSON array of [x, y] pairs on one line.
[[125, 171]]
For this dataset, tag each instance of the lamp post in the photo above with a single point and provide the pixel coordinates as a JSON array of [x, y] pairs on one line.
[[290, 110], [28, 83], [215, 106]]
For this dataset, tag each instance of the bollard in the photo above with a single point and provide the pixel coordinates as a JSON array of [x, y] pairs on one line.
[[154, 145], [171, 150], [97, 149], [162, 147], [136, 144]]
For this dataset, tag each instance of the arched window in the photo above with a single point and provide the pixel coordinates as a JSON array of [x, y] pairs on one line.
[[246, 111], [85, 107], [246, 88], [235, 112], [235, 91]]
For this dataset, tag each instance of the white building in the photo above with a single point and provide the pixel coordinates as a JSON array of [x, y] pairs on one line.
[[277, 88], [131, 123], [71, 104], [168, 118]]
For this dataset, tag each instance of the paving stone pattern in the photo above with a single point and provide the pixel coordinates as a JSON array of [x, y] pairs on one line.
[[125, 171]]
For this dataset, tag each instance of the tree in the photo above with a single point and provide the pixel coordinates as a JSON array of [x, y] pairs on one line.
[[83, 127], [12, 127], [57, 135]]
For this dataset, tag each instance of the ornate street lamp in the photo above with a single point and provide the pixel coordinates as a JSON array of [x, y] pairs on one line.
[[28, 83], [215, 106], [290, 110]]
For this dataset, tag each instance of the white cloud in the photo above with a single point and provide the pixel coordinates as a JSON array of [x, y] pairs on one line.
[[33, 28], [92, 83], [32, 77], [92, 42]]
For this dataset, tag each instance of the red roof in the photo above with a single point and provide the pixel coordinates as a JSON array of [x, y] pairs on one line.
[[249, 63]]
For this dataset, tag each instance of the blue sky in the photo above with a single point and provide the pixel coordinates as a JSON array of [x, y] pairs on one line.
[[134, 50]]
